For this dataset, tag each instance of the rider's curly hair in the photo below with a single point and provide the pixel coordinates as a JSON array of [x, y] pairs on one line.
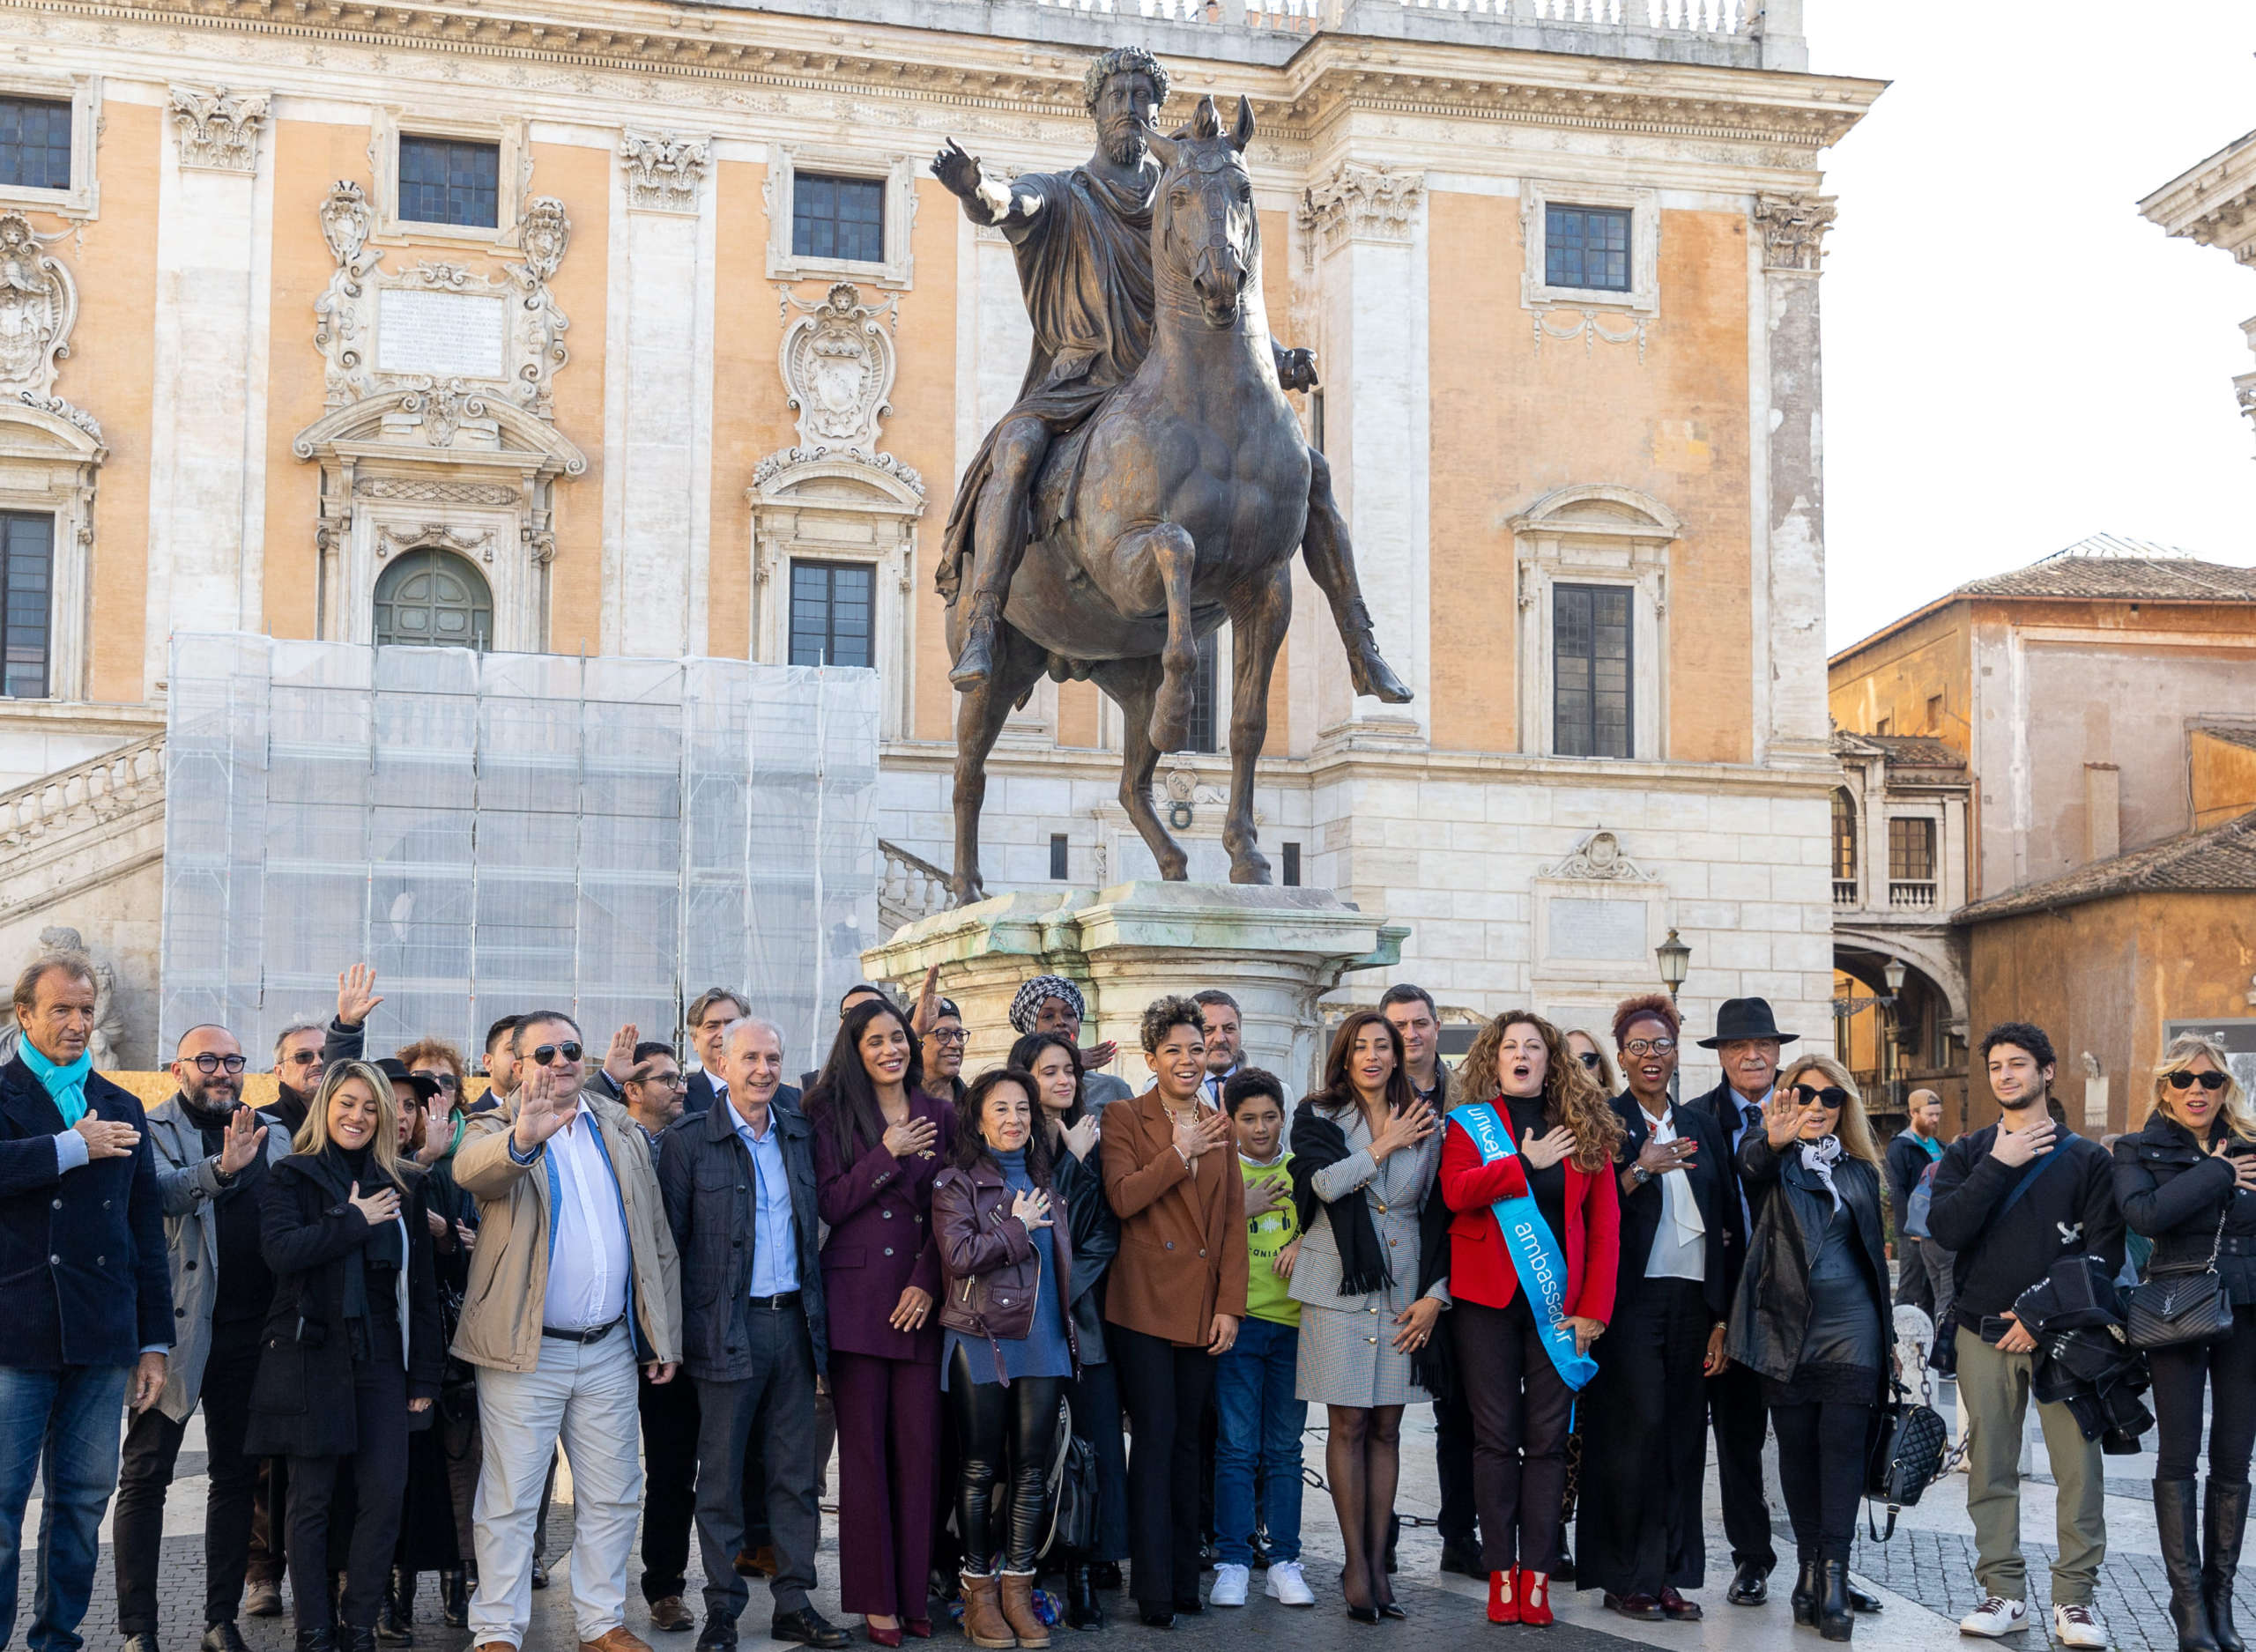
[[1123, 60]]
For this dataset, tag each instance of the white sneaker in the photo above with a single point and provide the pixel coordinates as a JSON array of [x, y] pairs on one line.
[[1229, 1586], [1287, 1586], [1996, 1617], [2078, 1626]]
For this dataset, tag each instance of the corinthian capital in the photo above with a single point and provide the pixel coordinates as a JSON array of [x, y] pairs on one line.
[[664, 170], [1359, 203], [1793, 230], [218, 129]]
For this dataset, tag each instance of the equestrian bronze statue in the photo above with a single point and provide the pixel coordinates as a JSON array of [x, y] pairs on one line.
[[1152, 479]]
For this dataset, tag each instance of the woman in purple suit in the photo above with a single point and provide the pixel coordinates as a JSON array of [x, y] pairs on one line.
[[879, 1142]]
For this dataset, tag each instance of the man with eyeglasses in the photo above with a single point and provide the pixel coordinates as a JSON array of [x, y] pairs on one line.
[[945, 1042], [567, 1196], [211, 1155]]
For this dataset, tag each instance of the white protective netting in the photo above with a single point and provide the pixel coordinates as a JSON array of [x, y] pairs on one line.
[[499, 833]]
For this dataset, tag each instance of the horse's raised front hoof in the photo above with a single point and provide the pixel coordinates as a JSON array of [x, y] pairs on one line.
[[1170, 725], [1375, 677]]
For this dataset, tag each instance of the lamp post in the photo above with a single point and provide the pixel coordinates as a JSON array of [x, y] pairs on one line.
[[1675, 959], [1892, 973]]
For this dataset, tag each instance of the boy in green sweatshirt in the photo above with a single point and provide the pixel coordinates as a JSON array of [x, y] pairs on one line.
[[1259, 1418]]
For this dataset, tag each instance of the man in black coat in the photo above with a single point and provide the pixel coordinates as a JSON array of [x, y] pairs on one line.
[[90, 1311], [1908, 1157]]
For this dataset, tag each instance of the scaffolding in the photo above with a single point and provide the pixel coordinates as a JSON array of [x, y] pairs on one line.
[[499, 833]]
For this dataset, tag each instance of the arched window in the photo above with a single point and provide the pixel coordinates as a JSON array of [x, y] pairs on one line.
[[1844, 845], [436, 599]]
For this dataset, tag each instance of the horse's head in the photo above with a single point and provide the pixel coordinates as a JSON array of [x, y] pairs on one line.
[[1204, 222]]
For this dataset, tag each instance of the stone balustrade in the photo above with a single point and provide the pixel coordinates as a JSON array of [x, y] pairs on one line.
[[91, 794], [911, 888]]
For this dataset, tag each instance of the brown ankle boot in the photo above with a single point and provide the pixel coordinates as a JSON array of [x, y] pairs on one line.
[[982, 1614], [1017, 1610]]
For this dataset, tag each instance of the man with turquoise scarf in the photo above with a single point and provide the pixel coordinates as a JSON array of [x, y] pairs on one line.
[[90, 1310]]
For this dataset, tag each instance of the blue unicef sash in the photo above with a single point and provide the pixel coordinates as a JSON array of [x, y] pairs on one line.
[[1536, 1257]]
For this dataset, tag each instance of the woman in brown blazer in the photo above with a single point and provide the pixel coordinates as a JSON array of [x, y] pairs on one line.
[[1175, 1295]]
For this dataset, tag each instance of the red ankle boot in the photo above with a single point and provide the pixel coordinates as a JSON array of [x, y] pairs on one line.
[[1534, 1598], [1503, 1600]]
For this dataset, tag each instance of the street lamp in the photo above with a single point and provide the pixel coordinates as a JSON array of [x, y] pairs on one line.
[[1675, 958], [1892, 973]]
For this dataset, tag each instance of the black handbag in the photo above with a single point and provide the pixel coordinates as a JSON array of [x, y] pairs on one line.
[[1073, 1491], [1909, 1443], [2182, 1307]]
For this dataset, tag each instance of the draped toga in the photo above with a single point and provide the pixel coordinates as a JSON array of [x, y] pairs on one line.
[[1085, 267]]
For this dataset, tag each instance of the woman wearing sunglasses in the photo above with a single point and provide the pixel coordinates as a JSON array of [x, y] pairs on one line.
[[1585, 1049], [1811, 1314], [2185, 1182]]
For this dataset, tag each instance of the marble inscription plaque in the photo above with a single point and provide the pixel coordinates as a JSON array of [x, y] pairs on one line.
[[1604, 931], [445, 335]]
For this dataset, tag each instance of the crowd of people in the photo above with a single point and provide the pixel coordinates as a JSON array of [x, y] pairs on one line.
[[1053, 1325]]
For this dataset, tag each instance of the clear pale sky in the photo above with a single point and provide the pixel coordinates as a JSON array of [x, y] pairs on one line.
[[2014, 358]]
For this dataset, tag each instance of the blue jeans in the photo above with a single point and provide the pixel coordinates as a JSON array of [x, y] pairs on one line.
[[62, 1426], [1260, 1424]]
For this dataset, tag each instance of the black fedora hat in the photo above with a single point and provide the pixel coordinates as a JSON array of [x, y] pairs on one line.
[[1746, 1018]]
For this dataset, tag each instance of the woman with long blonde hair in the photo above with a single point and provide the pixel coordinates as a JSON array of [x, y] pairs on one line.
[[2185, 1181], [1534, 1131], [1811, 1314]]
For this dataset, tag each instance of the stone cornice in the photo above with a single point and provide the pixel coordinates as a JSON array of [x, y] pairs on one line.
[[831, 57], [2213, 204]]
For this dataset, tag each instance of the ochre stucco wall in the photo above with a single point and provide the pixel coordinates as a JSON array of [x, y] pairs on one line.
[[1894, 678], [580, 178], [749, 421], [2224, 780], [2103, 976]]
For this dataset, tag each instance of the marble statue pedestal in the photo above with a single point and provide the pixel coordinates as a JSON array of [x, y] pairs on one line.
[[1276, 951]]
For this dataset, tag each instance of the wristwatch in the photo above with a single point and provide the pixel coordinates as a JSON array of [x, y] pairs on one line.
[[1639, 1175]]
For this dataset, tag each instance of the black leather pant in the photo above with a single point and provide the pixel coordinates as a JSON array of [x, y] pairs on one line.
[[996, 1423]]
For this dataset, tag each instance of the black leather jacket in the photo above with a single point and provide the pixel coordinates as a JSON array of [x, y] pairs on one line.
[[1769, 1315], [2172, 1190]]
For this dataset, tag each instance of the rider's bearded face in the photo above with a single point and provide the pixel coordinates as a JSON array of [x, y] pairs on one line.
[[1125, 111]]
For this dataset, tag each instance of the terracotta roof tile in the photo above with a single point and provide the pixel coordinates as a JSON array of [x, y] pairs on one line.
[[2221, 859]]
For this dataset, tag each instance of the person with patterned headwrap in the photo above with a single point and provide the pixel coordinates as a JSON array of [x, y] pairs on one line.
[[1051, 1004]]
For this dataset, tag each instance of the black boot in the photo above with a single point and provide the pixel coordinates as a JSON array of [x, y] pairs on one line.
[[397, 1612], [2222, 1524], [1804, 1599], [1835, 1621], [321, 1640], [454, 1599], [360, 1639], [2174, 1509], [1082, 1610]]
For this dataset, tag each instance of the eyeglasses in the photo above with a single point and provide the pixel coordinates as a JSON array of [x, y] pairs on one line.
[[440, 1077], [944, 1035], [1648, 1046], [546, 1054], [1832, 1097], [306, 1058], [209, 1064], [663, 1081], [1589, 1058], [2210, 1080]]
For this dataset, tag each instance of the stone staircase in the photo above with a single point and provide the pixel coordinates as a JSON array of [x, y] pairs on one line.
[[80, 828], [911, 888]]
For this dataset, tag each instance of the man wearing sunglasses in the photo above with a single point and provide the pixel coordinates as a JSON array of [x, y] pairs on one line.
[[567, 1196], [305, 1051], [211, 1155], [2012, 1200]]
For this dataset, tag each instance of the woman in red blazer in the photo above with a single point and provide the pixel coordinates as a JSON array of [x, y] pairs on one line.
[[1566, 1136]]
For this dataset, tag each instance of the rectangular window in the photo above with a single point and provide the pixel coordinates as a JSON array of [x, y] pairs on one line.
[[1206, 691], [1291, 865], [1935, 713], [1586, 246], [1590, 651], [831, 613], [27, 591], [1911, 850], [1057, 861], [838, 218], [449, 181], [34, 144], [1315, 419]]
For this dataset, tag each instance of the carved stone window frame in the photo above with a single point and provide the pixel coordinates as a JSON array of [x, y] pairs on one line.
[[84, 93], [833, 505], [896, 271], [1537, 196], [1594, 534], [50, 456], [513, 175]]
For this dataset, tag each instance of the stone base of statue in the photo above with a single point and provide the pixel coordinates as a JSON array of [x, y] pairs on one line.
[[1276, 951]]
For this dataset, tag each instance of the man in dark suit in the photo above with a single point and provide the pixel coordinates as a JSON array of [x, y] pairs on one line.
[[710, 1011], [82, 1230], [1746, 1041], [1644, 1453]]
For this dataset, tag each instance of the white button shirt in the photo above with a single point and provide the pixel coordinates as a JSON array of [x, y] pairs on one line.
[[1680, 1241], [588, 1264]]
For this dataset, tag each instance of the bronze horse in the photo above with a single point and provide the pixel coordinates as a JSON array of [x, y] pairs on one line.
[[1187, 503]]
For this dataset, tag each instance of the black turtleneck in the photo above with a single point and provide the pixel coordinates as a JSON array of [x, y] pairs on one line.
[[246, 1288]]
